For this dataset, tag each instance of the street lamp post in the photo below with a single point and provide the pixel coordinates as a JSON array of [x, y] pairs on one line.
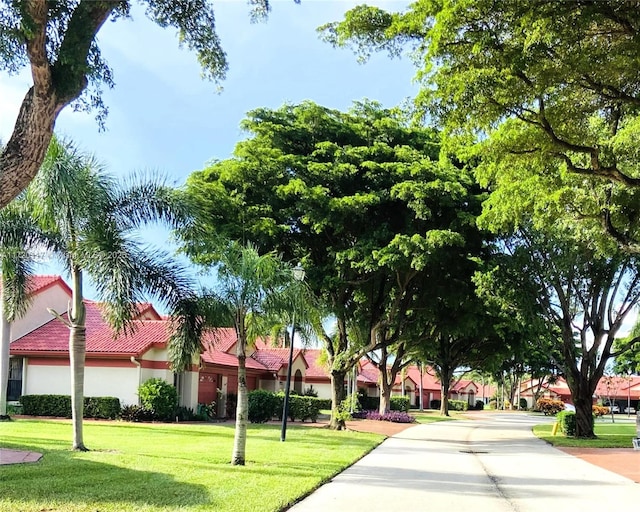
[[629, 395], [298, 275]]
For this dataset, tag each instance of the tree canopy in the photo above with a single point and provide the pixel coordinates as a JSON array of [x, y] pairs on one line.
[[553, 85], [57, 42], [361, 198]]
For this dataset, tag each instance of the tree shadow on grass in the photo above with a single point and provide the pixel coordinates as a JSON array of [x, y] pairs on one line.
[[62, 482]]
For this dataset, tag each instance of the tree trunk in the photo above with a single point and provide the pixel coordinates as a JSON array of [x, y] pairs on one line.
[[77, 353], [24, 152], [242, 408], [584, 413], [337, 396], [444, 402], [386, 385], [5, 340]]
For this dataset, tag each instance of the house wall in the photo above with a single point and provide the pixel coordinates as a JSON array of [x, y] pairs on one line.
[[55, 379], [54, 297], [322, 387]]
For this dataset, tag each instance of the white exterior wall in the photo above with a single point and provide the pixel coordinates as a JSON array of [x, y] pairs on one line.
[[269, 385], [55, 297], [56, 380], [188, 384], [323, 390]]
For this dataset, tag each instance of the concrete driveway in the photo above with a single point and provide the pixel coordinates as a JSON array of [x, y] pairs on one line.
[[493, 464]]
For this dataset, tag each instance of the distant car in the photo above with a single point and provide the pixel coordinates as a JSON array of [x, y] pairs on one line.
[[629, 410], [570, 407], [614, 409]]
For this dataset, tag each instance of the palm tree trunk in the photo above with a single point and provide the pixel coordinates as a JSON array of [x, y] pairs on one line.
[[77, 352], [5, 340], [242, 407]]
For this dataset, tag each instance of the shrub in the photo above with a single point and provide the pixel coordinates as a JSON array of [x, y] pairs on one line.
[[369, 403], [106, 407], [262, 406], [399, 403], [567, 421], [135, 413], [159, 397], [393, 416], [231, 405], [324, 403], [103, 407], [311, 392], [304, 408], [599, 410], [493, 404], [523, 404], [458, 405], [549, 407], [479, 405], [46, 405], [435, 404]]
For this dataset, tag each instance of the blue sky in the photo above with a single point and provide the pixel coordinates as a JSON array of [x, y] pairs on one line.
[[163, 116]]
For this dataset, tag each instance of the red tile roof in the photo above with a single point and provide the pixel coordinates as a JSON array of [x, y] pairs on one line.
[[37, 284], [53, 337], [276, 358], [224, 359], [315, 369]]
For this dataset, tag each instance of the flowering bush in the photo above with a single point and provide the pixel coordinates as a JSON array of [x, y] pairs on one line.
[[549, 407], [393, 416]]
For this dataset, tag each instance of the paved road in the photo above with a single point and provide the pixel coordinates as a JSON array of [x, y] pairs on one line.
[[488, 465]]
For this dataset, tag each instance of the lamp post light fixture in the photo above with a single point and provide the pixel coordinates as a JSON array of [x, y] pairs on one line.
[[298, 275]]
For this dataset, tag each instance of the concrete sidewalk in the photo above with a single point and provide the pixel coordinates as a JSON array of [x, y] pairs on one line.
[[490, 465]]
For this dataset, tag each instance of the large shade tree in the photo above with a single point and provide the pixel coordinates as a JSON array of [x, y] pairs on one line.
[[526, 82], [360, 197], [253, 291], [57, 42], [581, 294], [95, 219]]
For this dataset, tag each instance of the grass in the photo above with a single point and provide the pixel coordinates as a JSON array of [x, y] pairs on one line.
[[167, 467], [431, 416], [609, 435]]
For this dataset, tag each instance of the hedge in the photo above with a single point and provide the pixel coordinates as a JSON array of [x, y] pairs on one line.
[[265, 405], [103, 407], [567, 421]]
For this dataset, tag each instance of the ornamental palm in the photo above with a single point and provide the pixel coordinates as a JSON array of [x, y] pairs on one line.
[[96, 219], [252, 289]]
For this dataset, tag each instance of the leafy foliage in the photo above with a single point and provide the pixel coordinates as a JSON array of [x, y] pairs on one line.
[[60, 406], [567, 421], [159, 398], [549, 406], [530, 90], [263, 405]]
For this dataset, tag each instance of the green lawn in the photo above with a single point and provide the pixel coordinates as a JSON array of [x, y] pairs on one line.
[[430, 416], [153, 467], [609, 435]]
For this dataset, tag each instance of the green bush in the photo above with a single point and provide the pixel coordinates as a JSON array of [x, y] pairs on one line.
[[324, 403], [369, 403], [493, 404], [479, 405], [523, 404], [105, 407], [159, 397], [135, 413], [435, 404], [263, 405], [399, 403], [458, 405], [567, 421], [304, 408], [231, 405]]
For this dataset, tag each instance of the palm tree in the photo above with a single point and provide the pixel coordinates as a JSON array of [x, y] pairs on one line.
[[20, 241], [252, 290], [96, 219]]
